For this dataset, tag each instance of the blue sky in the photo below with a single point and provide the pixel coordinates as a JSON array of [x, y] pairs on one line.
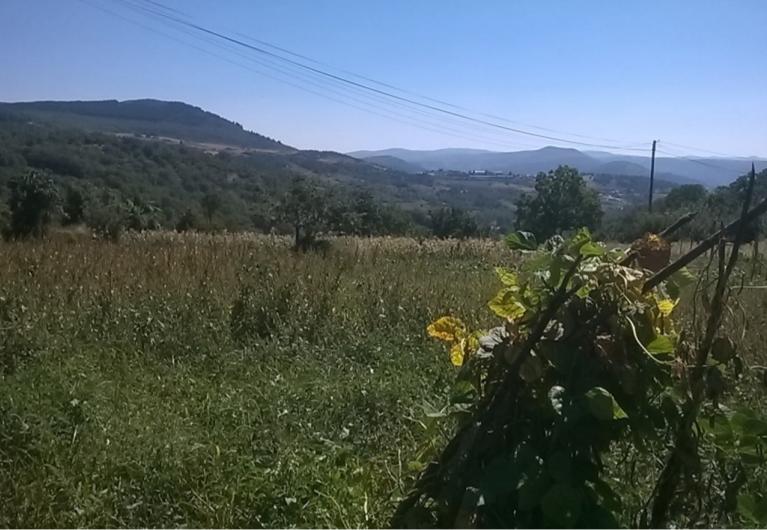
[[686, 72]]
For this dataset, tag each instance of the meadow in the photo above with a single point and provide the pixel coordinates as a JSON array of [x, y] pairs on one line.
[[225, 380]]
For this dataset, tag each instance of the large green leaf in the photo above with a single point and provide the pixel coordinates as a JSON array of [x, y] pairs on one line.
[[560, 467], [592, 249], [661, 344], [576, 243], [562, 505], [603, 406], [746, 422], [500, 479], [521, 241], [753, 508], [462, 392]]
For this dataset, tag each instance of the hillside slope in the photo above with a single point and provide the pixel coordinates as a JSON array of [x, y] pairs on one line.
[[147, 117], [76, 144]]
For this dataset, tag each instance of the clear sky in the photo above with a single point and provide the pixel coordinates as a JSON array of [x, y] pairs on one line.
[[692, 72]]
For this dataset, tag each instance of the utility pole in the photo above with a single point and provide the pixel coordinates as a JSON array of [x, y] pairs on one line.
[[652, 176]]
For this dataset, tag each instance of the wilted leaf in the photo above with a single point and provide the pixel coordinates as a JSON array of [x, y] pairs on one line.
[[506, 304], [683, 277], [457, 353], [507, 277], [557, 398], [521, 241], [447, 329], [666, 306]]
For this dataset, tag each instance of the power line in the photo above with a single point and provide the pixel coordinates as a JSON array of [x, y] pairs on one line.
[[701, 150], [263, 51], [403, 90], [391, 115], [313, 81], [302, 77], [696, 161]]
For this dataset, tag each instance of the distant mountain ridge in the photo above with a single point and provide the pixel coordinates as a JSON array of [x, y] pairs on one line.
[[148, 117], [708, 171]]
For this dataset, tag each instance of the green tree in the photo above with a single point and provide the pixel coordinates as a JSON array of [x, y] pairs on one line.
[[306, 209], [685, 196], [211, 204], [563, 201], [187, 221], [74, 206], [452, 222], [33, 199]]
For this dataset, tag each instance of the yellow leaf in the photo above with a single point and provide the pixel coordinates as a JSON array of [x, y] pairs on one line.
[[472, 342], [666, 306], [507, 277], [505, 304], [457, 353], [447, 328]]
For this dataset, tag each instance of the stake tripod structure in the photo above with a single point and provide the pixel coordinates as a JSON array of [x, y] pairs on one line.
[[445, 478]]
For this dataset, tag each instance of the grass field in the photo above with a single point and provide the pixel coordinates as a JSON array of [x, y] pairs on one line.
[[228, 381], [222, 381]]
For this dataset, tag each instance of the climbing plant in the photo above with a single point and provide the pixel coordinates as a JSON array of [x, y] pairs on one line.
[[585, 358]]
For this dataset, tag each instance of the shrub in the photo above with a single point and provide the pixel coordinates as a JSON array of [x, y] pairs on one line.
[[32, 201]]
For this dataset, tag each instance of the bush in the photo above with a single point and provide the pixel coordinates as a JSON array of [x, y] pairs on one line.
[[188, 221], [32, 201], [107, 222]]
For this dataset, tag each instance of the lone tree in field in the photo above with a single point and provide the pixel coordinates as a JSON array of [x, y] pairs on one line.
[[563, 201], [32, 201], [305, 208]]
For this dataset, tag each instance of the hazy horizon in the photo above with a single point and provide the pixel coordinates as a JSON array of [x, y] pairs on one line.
[[690, 74]]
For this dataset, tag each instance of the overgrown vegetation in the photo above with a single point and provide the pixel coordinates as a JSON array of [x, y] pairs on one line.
[[589, 363], [211, 380]]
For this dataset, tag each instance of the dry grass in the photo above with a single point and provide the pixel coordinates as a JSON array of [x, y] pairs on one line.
[[225, 380], [222, 380]]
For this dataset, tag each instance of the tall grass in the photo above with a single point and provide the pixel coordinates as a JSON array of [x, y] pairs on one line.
[[225, 380], [222, 380]]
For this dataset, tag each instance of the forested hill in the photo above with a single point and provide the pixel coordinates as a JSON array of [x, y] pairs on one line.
[[122, 153], [150, 117]]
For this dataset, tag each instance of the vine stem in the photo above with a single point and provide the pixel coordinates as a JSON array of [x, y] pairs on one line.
[[446, 478], [684, 441]]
